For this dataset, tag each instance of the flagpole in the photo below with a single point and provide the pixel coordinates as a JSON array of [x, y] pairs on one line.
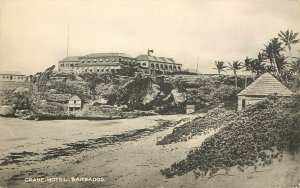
[[68, 42], [197, 64]]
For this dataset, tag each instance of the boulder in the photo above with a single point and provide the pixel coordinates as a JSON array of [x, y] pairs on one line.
[[7, 111], [151, 94], [178, 97]]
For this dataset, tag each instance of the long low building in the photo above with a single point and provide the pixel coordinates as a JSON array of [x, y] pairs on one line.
[[95, 62], [112, 62], [13, 76]]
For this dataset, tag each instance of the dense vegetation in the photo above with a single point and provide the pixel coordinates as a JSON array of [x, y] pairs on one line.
[[257, 136], [213, 119]]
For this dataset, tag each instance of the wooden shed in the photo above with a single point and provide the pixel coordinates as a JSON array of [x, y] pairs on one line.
[[263, 86]]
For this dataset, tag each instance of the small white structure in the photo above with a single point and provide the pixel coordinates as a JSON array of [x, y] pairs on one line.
[[265, 85], [74, 104], [190, 109]]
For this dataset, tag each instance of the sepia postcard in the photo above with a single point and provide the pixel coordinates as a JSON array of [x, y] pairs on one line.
[[149, 93]]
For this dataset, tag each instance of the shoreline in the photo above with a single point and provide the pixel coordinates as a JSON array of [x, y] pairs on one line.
[[71, 117]]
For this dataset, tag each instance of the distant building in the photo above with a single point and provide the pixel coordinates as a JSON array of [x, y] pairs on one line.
[[13, 76], [67, 64], [153, 63], [75, 104], [96, 63], [265, 85]]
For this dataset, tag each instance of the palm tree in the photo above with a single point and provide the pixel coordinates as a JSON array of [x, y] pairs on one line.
[[289, 38], [235, 66], [271, 51], [295, 67], [258, 67], [249, 65], [220, 66], [281, 63]]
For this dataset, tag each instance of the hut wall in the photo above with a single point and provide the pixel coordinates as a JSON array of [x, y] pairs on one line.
[[247, 101]]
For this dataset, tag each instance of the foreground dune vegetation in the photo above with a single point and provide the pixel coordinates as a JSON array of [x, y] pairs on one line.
[[257, 136]]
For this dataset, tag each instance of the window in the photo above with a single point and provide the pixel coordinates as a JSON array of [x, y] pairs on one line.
[[243, 103], [89, 60], [82, 61], [166, 66], [161, 66], [174, 67], [170, 66], [85, 70], [74, 102], [101, 60], [95, 60], [71, 65], [62, 65], [152, 65], [98, 70], [179, 68], [91, 70], [106, 60], [157, 66]]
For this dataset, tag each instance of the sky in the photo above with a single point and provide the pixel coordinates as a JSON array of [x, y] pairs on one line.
[[33, 33]]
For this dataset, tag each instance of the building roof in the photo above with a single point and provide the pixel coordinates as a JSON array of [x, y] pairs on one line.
[[265, 85], [75, 98], [107, 55], [167, 60], [144, 57], [11, 73], [158, 59], [70, 58]]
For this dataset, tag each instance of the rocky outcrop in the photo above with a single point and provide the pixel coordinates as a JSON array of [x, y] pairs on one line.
[[151, 94], [7, 111], [178, 97]]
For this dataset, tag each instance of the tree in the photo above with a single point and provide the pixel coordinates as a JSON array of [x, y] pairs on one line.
[[220, 66], [249, 64], [295, 67], [235, 66], [271, 51], [281, 63], [289, 38], [258, 67]]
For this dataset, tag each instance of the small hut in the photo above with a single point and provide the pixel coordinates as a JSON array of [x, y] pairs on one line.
[[265, 85], [190, 109], [74, 104]]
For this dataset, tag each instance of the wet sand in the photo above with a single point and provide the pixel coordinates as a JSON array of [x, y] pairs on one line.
[[133, 162]]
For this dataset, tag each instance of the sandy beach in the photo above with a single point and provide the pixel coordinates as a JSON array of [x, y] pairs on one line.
[[125, 162]]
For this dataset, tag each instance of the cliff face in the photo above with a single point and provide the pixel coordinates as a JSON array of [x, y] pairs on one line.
[[49, 93]]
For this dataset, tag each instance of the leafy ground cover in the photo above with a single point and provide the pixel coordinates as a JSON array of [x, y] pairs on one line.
[[260, 134], [212, 120]]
